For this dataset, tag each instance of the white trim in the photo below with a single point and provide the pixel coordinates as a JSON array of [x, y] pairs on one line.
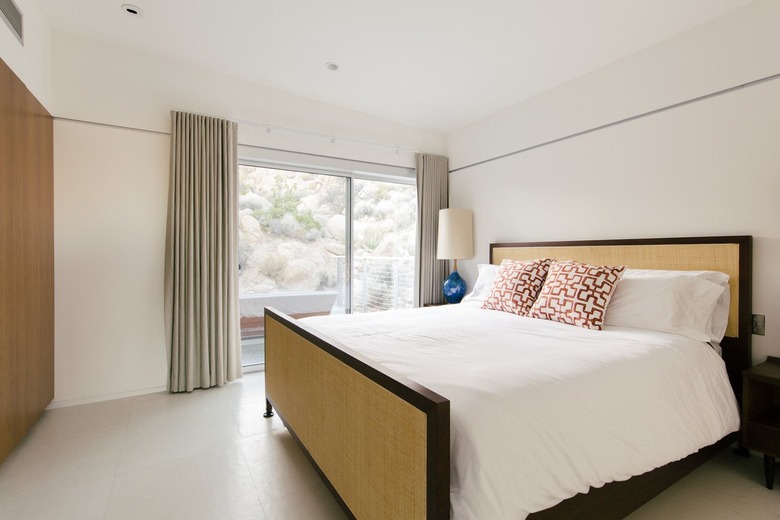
[[108, 397], [254, 368], [621, 121], [10, 4]]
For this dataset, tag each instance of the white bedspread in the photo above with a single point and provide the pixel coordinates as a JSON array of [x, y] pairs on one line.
[[541, 411]]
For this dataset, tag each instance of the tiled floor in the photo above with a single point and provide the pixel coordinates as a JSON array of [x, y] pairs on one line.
[[204, 455], [210, 455]]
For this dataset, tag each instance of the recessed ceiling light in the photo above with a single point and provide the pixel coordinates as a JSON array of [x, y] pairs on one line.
[[332, 66], [132, 9]]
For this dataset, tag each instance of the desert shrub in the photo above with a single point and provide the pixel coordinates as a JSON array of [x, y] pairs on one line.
[[372, 237], [286, 216]]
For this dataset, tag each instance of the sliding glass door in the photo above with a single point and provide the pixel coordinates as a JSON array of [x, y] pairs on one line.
[[314, 243], [384, 220]]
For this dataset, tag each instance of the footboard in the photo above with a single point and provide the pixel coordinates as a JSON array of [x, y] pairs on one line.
[[380, 441]]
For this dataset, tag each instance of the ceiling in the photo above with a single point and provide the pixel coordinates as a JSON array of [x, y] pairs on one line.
[[432, 64]]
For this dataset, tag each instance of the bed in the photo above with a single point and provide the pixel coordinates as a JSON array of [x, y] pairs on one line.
[[382, 442]]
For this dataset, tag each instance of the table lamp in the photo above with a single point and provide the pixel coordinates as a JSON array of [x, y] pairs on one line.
[[454, 242]]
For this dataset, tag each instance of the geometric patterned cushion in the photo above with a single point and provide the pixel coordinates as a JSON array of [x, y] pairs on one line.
[[576, 294], [517, 285]]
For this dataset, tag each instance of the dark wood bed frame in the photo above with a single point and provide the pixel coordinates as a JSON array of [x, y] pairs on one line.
[[381, 442]]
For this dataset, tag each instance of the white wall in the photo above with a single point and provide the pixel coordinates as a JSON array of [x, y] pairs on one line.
[[705, 168], [110, 199], [30, 62], [111, 196]]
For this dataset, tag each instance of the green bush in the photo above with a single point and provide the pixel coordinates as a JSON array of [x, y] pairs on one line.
[[284, 200]]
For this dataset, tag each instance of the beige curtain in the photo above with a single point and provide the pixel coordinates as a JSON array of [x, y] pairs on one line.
[[432, 195], [201, 275]]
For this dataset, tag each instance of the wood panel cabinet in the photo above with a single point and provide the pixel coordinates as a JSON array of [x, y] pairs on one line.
[[26, 260]]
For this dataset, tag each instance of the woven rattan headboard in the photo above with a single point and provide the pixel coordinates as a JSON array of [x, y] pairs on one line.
[[731, 255]]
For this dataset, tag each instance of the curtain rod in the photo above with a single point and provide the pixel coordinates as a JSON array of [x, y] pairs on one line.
[[319, 135], [160, 132], [621, 121]]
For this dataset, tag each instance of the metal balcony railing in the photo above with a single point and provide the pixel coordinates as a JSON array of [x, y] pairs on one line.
[[378, 283]]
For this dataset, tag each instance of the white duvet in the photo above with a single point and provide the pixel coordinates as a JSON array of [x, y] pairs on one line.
[[541, 411]]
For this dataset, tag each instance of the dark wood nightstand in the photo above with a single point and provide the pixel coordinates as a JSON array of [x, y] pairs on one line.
[[761, 413]]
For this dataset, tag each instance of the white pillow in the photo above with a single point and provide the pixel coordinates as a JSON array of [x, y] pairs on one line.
[[486, 275], [719, 321], [691, 303]]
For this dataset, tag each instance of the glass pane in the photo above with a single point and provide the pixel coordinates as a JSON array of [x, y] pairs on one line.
[[384, 224], [292, 239]]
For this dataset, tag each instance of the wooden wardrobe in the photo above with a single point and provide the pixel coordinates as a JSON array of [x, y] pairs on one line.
[[26, 260]]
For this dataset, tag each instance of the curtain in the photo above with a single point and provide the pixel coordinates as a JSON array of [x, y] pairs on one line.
[[201, 275], [432, 195]]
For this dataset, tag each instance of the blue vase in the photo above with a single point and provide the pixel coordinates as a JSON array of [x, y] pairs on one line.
[[454, 288]]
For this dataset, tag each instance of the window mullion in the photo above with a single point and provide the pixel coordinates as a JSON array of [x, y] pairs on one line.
[[348, 254]]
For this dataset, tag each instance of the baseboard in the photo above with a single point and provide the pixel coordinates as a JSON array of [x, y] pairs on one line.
[[99, 398], [254, 368], [57, 403]]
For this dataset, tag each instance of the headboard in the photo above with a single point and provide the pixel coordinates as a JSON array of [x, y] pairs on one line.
[[731, 255]]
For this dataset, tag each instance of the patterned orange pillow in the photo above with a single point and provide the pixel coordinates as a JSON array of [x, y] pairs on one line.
[[576, 294], [516, 286]]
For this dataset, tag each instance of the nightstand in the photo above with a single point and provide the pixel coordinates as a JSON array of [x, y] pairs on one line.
[[761, 413]]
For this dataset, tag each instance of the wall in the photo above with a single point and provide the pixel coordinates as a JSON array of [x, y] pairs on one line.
[[111, 186], [31, 61], [704, 168], [111, 189]]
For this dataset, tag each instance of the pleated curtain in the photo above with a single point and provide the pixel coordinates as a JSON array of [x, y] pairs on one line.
[[432, 195], [201, 273]]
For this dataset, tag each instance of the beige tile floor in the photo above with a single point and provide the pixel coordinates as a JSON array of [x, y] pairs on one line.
[[210, 455]]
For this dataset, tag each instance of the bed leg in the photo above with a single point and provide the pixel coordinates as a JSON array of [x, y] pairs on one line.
[[769, 470], [269, 410]]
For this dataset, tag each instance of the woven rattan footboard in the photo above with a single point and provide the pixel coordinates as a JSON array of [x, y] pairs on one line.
[[380, 441]]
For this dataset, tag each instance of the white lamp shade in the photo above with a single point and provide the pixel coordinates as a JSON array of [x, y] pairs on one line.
[[455, 234]]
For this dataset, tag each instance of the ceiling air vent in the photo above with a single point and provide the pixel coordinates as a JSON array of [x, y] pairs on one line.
[[13, 17]]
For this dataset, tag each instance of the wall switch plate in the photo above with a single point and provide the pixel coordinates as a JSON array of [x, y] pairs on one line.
[[759, 324]]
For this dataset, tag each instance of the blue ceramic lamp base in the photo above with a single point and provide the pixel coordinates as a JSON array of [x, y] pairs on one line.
[[454, 288]]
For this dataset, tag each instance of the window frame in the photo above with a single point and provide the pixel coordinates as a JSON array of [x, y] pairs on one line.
[[337, 168]]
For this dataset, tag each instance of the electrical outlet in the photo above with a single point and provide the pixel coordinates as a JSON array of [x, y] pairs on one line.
[[759, 324]]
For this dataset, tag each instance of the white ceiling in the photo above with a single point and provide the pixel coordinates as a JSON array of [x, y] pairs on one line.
[[432, 64]]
